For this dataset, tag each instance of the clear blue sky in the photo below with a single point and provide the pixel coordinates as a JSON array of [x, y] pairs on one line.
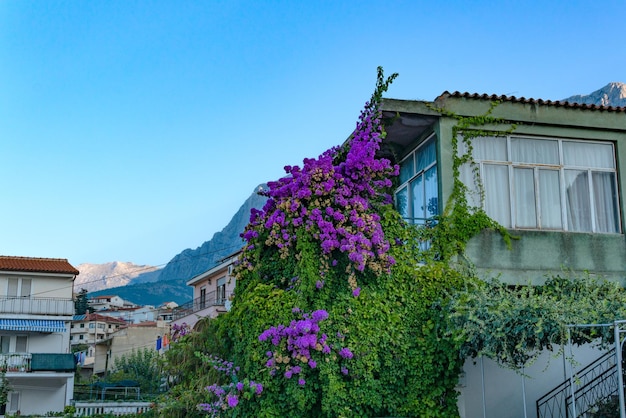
[[132, 130]]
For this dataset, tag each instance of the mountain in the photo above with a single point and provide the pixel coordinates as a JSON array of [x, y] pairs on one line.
[[613, 94], [169, 283], [103, 276]]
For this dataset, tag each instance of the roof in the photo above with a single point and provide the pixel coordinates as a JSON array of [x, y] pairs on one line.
[[98, 317], [513, 99], [37, 265]]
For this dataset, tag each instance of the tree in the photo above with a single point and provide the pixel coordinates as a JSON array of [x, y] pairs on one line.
[[81, 304], [141, 366]]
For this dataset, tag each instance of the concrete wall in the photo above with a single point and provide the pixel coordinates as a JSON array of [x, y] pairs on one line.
[[504, 388], [39, 395], [539, 253]]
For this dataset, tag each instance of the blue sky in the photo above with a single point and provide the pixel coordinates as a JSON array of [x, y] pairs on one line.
[[132, 130]]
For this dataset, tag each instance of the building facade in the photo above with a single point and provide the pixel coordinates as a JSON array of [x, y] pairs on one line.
[[212, 293], [549, 172], [36, 309]]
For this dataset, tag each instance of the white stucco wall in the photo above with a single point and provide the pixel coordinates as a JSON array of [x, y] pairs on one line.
[[504, 388]]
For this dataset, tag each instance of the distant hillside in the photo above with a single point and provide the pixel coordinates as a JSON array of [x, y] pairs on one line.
[[169, 283], [613, 94], [103, 276]]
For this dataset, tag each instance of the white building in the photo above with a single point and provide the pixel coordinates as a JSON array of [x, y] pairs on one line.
[[36, 309]]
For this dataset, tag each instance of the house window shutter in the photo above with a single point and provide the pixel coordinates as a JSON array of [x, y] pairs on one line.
[[25, 290], [12, 289]]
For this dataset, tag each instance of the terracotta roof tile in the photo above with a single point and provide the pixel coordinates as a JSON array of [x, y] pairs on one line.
[[38, 265], [514, 99]]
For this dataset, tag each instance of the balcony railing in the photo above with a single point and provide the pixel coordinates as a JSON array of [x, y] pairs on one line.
[[37, 306], [198, 304], [37, 362]]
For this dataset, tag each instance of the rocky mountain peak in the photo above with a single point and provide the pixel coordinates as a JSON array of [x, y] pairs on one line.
[[613, 94]]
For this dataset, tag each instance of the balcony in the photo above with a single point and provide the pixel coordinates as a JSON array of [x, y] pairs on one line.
[[37, 362], [199, 304], [36, 306]]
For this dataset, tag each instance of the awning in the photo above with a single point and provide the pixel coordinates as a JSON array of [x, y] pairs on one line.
[[33, 325]]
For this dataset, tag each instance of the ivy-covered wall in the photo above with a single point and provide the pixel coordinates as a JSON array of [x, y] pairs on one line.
[[536, 254]]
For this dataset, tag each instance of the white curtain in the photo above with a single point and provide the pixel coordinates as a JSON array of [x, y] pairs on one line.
[[550, 199], [588, 155], [525, 204], [604, 200], [417, 192], [534, 151], [577, 201], [497, 193]]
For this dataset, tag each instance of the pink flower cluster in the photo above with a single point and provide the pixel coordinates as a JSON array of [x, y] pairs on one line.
[[332, 197]]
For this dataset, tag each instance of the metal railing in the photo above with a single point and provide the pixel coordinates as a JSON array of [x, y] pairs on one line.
[[595, 383], [198, 304], [86, 409], [38, 306], [15, 362]]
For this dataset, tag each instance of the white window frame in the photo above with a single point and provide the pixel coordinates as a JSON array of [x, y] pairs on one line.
[[561, 168]]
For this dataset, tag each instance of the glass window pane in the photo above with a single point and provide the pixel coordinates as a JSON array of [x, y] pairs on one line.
[[4, 343], [402, 202], [407, 169], [589, 155], [605, 202], [490, 148], [497, 193], [426, 156], [537, 151], [417, 192], [20, 344], [577, 201], [550, 199], [525, 205], [430, 186]]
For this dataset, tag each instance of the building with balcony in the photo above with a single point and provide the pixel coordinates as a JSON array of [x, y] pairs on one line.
[[108, 302], [36, 310], [212, 291], [550, 174]]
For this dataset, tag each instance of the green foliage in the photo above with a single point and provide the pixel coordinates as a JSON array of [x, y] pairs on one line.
[[81, 305], [5, 386], [188, 375], [141, 366], [514, 324]]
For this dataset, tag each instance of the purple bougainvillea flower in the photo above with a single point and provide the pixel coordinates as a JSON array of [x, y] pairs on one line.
[[232, 400], [239, 386], [346, 353], [301, 382], [356, 292], [344, 370]]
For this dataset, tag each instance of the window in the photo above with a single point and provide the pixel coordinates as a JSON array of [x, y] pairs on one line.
[[221, 291], [14, 402], [21, 344], [5, 342], [552, 184], [417, 198], [19, 287], [81, 337], [202, 297], [82, 325]]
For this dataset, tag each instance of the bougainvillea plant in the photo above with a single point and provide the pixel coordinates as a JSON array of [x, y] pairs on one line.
[[324, 315], [333, 198]]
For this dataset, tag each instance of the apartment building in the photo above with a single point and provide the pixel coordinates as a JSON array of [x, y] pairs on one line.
[[36, 309]]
